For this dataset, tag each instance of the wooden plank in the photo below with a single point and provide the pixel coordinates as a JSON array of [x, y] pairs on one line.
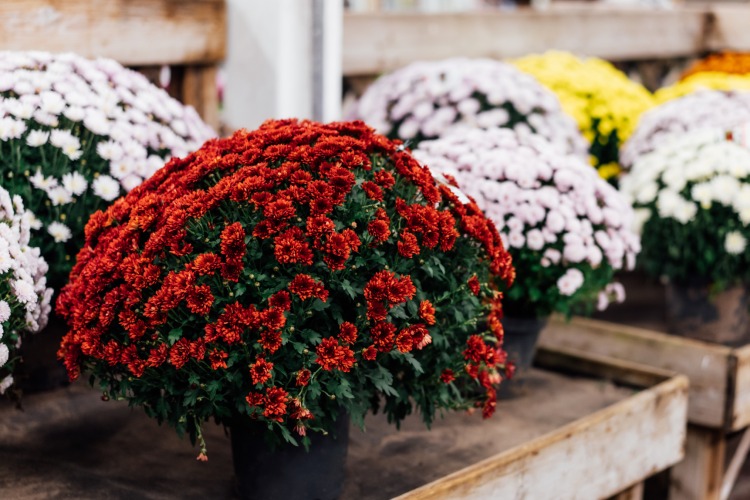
[[134, 32], [706, 365], [728, 29], [735, 465], [379, 42], [633, 493], [699, 475], [740, 407], [619, 445], [199, 90]]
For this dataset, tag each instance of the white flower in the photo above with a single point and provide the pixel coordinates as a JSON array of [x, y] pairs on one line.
[[110, 150], [516, 239], [59, 196], [24, 292], [61, 138], [75, 183], [59, 231], [6, 383], [39, 181], [735, 243], [535, 239], [570, 282], [4, 354], [4, 311], [106, 187], [37, 138]]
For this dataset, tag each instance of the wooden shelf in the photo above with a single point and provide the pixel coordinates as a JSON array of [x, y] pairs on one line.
[[380, 42]]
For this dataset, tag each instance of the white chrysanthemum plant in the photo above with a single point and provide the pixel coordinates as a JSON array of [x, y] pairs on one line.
[[566, 228], [75, 134], [692, 202], [702, 109], [24, 296], [427, 100]]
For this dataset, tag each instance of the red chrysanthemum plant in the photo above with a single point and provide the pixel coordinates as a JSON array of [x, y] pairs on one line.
[[285, 275]]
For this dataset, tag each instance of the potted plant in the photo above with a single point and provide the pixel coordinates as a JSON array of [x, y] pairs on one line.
[[604, 102], [699, 109], [566, 228], [76, 134], [280, 279], [427, 100], [24, 296], [692, 199]]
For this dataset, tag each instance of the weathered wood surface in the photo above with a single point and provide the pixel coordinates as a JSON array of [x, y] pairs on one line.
[[69, 444], [604, 453], [714, 401], [134, 32], [699, 475], [383, 41]]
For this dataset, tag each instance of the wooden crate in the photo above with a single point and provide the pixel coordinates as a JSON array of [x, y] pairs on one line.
[[384, 41], [188, 34], [576, 433], [719, 401], [588, 427]]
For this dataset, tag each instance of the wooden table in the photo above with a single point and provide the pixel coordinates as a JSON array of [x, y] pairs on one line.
[[719, 401], [582, 427]]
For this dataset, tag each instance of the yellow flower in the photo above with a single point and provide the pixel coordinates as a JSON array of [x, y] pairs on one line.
[[705, 80], [600, 98], [609, 170]]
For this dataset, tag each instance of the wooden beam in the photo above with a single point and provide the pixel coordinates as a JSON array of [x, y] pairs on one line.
[[379, 42], [735, 465], [134, 32], [728, 29], [632, 493], [199, 90], [699, 475]]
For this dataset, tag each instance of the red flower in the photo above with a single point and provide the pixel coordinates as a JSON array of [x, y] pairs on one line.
[[372, 191], [179, 354], [280, 300], [303, 377], [157, 356], [200, 299], [198, 349], [408, 246], [385, 179], [273, 318], [490, 404], [382, 335], [370, 353], [233, 242], [427, 312], [290, 247], [348, 332], [218, 359], [270, 340], [206, 263], [476, 349], [447, 376], [275, 403], [305, 287], [331, 355], [379, 229], [261, 371], [254, 399], [279, 210], [385, 290], [474, 285]]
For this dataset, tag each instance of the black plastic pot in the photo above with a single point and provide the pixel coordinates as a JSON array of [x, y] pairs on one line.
[[289, 472], [521, 336], [724, 318], [40, 369]]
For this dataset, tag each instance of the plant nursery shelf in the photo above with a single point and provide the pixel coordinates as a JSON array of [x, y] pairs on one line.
[[380, 42], [719, 394], [584, 427]]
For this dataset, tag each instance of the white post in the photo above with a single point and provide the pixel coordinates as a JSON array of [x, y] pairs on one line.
[[277, 67]]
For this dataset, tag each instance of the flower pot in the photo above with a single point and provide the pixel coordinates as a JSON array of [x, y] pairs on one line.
[[265, 473], [521, 336], [723, 318], [40, 369]]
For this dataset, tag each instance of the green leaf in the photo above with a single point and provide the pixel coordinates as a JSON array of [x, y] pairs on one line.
[[174, 335]]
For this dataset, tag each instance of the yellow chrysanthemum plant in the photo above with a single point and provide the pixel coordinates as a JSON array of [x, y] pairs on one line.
[[603, 101], [710, 80]]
